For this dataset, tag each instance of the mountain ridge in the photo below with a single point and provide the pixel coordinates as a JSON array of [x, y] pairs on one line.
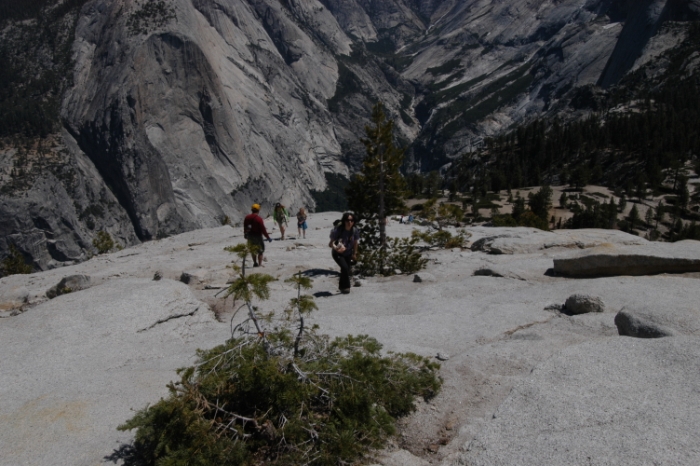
[[189, 111]]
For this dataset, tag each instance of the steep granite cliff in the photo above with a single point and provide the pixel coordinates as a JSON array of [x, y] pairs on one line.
[[185, 112]]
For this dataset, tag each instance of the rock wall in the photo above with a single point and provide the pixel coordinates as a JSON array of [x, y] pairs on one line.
[[194, 119], [187, 114]]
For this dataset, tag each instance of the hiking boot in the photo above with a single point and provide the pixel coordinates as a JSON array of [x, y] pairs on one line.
[[345, 290]]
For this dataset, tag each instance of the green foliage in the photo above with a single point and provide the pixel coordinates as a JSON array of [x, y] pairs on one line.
[[441, 238], [375, 193], [633, 217], [103, 242], [518, 207], [400, 254], [379, 187], [153, 14], [245, 287], [242, 405], [595, 215], [254, 285], [443, 214], [541, 202], [268, 398], [15, 263], [504, 220], [529, 219]]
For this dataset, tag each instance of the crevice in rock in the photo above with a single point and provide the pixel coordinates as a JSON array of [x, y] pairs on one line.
[[510, 332], [162, 321]]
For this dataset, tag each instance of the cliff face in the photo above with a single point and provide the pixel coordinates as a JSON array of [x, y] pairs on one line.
[[218, 105], [187, 111]]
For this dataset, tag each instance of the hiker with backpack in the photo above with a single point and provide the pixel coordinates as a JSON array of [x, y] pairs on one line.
[[301, 222], [344, 242], [281, 216], [253, 231]]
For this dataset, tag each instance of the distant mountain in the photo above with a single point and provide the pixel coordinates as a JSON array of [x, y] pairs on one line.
[[146, 118]]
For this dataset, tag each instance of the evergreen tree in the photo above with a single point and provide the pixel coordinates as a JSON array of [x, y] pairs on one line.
[[562, 200], [518, 207], [378, 190], [633, 217], [649, 217], [659, 214], [541, 201], [623, 203]]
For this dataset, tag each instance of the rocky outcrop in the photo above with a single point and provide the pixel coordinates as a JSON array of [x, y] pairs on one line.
[[654, 258], [107, 367], [583, 304], [219, 106], [630, 325], [658, 321], [524, 240], [52, 213], [69, 284]]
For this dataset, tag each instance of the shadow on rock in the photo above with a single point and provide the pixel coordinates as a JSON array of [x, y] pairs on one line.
[[319, 272], [129, 455]]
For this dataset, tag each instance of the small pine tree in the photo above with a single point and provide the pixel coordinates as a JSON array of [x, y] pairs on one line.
[[377, 192], [15, 263], [633, 217], [103, 242], [562, 200], [659, 214], [623, 204], [649, 216], [272, 397], [518, 207]]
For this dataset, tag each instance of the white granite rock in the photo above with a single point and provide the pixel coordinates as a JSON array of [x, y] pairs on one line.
[[647, 259], [616, 401]]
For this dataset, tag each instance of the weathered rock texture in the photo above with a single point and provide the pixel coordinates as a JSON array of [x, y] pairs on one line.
[[524, 240], [592, 404], [655, 258], [657, 321], [179, 118], [583, 304], [563, 387]]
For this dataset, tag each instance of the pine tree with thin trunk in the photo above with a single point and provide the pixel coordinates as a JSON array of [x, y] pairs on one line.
[[378, 190]]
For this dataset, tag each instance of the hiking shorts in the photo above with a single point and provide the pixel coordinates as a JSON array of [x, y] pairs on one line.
[[302, 225], [257, 240]]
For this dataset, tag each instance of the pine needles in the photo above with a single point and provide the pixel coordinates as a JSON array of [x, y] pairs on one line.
[[281, 393]]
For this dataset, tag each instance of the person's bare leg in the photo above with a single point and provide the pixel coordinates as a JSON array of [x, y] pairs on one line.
[[282, 228], [260, 260]]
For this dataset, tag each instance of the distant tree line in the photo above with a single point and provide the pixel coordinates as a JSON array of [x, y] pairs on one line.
[[628, 149]]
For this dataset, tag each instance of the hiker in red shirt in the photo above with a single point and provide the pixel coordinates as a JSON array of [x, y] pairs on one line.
[[253, 231]]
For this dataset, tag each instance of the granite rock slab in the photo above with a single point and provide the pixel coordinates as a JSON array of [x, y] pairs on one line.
[[646, 259]]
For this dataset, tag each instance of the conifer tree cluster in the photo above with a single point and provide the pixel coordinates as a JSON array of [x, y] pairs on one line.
[[640, 129]]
